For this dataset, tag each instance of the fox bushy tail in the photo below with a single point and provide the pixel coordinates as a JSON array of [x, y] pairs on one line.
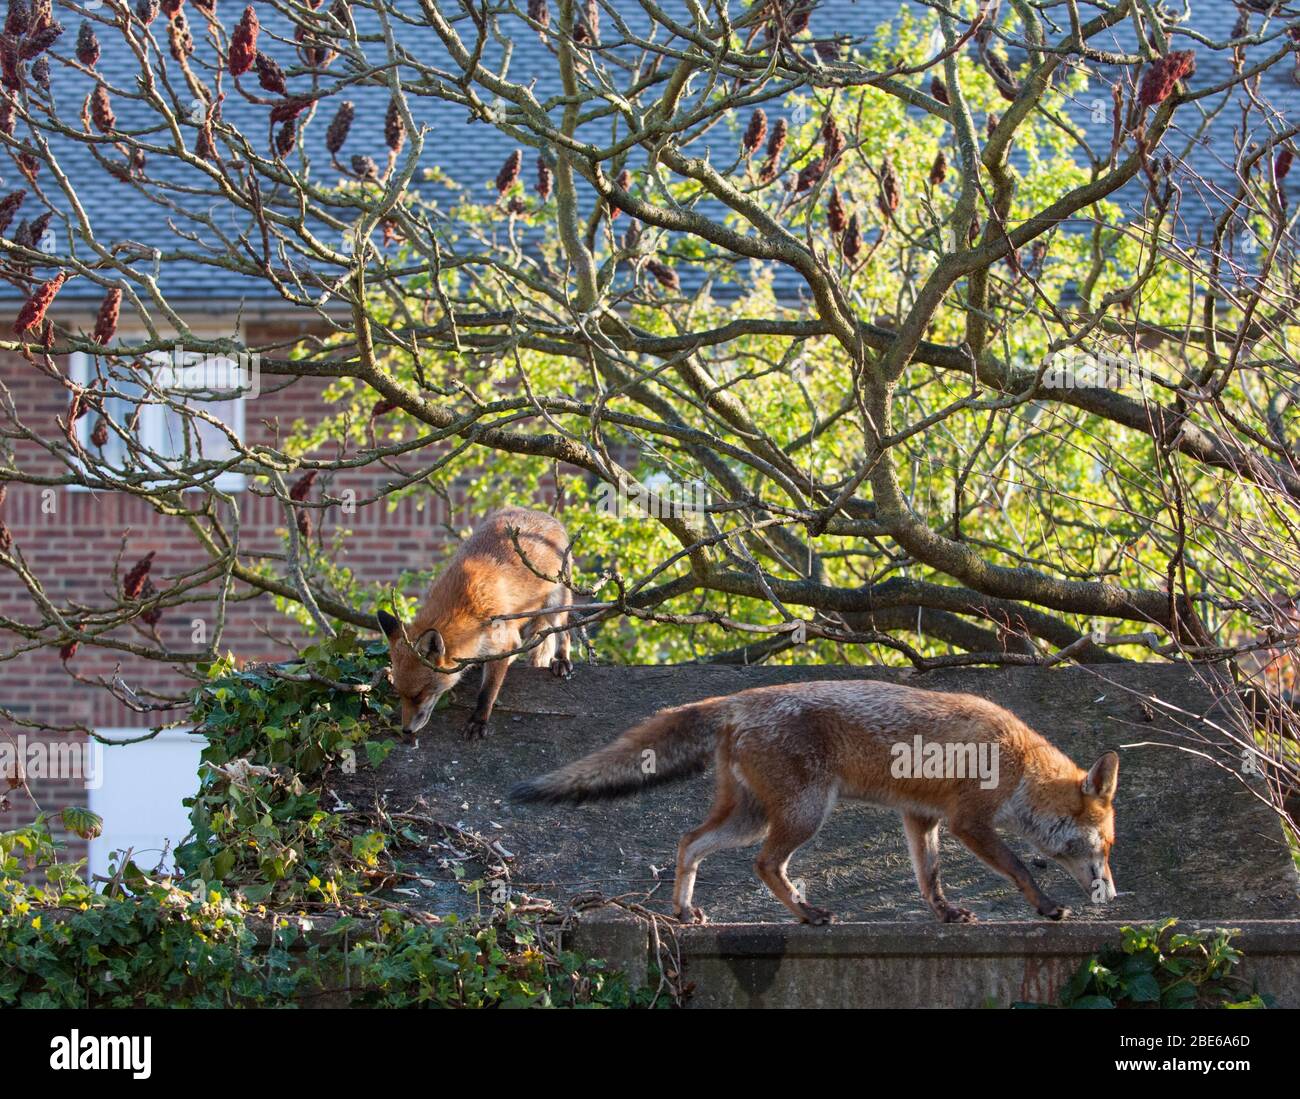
[[674, 744]]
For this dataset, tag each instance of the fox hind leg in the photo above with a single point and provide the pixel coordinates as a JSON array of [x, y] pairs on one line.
[[923, 845], [791, 828], [734, 821], [542, 655]]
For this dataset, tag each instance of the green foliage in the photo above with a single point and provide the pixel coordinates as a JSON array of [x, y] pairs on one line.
[[162, 945], [460, 965], [265, 866], [257, 815], [1156, 966]]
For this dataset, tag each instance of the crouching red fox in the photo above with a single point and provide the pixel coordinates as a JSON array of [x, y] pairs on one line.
[[500, 591], [785, 755]]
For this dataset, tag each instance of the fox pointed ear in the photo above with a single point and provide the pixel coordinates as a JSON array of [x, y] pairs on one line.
[[388, 625], [1101, 781], [430, 645]]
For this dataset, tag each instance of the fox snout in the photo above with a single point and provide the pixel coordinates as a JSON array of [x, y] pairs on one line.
[[1094, 878], [416, 715], [419, 717], [1103, 887]]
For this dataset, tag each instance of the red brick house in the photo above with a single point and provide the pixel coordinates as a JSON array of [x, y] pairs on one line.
[[71, 538]]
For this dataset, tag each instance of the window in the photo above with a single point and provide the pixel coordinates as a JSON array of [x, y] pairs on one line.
[[205, 384], [138, 794]]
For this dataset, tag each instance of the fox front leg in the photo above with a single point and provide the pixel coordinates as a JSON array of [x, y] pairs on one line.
[[562, 665], [494, 674], [983, 841]]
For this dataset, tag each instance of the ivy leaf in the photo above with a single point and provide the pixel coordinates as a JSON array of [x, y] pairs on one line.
[[82, 822], [368, 847], [224, 863], [1142, 989], [1092, 1002], [377, 751], [256, 894], [1256, 1001], [1138, 964]]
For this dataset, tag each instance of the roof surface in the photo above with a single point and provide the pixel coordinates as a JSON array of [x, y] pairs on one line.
[[1212, 856], [471, 153]]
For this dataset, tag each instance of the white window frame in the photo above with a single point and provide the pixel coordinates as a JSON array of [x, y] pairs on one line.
[[152, 423], [100, 851]]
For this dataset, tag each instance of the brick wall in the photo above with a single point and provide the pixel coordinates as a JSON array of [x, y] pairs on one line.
[[71, 538]]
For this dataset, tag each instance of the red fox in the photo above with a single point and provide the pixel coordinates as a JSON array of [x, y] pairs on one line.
[[786, 754], [467, 615]]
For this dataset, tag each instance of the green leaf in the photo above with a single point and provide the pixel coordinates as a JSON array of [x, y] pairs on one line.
[[1256, 1001], [1092, 1002], [377, 751], [224, 863], [1142, 989], [82, 822], [1138, 963], [1179, 995], [369, 846]]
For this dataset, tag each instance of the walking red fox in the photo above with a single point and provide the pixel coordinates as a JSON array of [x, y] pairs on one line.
[[786, 754], [466, 615]]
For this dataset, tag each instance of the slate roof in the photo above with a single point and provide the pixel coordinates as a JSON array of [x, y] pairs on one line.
[[472, 152]]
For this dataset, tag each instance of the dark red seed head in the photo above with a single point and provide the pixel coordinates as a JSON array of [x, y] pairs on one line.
[[302, 486], [87, 46], [1159, 81], [832, 138], [663, 274], [243, 43], [101, 110], [106, 321], [269, 74], [939, 169], [339, 126], [836, 215], [509, 172], [134, 582], [394, 128], [851, 241], [33, 310], [755, 133], [19, 19]]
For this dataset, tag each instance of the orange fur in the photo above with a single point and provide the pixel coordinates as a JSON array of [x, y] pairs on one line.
[[784, 755], [479, 606]]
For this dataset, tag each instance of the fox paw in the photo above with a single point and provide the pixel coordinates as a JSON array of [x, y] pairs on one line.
[[1052, 910], [816, 916], [562, 667], [953, 914], [476, 729], [695, 915]]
